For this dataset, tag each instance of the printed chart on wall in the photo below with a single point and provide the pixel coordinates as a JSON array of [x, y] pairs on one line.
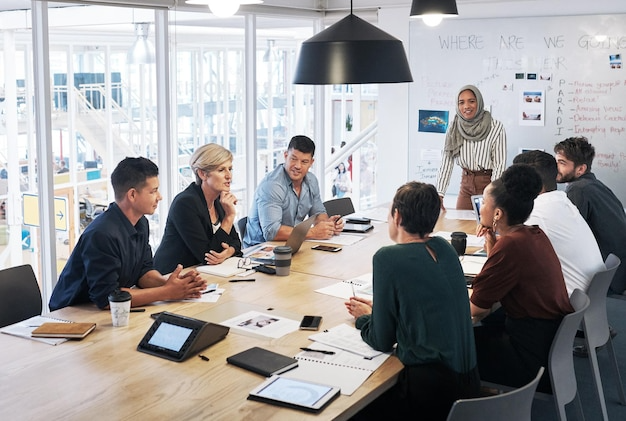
[[546, 79]]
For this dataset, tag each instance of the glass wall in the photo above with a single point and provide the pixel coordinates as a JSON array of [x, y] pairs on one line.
[[104, 107]]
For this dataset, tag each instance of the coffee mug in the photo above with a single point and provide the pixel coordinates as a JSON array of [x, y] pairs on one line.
[[282, 260], [458, 239]]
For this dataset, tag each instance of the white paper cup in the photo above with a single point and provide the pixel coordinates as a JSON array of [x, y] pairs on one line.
[[119, 302]]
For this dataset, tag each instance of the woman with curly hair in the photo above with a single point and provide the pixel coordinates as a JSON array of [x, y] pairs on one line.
[[524, 275]]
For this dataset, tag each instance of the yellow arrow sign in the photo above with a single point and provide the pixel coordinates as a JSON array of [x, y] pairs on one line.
[[30, 211]]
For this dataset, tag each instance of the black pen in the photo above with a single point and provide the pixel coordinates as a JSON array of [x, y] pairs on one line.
[[137, 310], [322, 351], [242, 280], [208, 291]]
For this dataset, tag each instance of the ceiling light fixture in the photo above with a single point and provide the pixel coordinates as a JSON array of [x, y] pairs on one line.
[[142, 51], [433, 11], [352, 51], [223, 8]]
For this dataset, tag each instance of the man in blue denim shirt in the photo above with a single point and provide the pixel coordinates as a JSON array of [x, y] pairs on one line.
[[286, 196], [113, 252]]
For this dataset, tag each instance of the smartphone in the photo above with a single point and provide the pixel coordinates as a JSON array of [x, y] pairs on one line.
[[311, 322], [326, 248]]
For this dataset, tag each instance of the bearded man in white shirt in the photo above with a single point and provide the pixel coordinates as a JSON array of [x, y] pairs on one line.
[[570, 235]]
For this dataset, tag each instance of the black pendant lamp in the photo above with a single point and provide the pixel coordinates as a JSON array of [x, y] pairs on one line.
[[352, 51], [432, 11]]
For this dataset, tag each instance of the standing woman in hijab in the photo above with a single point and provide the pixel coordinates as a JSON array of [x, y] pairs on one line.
[[477, 143]]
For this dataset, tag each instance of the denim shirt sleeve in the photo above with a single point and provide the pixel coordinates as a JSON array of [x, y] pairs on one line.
[[271, 199]]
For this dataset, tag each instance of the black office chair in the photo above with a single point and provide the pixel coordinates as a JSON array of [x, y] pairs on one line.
[[342, 206], [20, 297], [241, 226]]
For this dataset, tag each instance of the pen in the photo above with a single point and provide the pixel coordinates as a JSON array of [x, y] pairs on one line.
[[352, 285], [137, 310], [208, 291], [318, 350], [241, 280]]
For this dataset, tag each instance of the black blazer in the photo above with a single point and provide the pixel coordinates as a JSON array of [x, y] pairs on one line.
[[189, 232]]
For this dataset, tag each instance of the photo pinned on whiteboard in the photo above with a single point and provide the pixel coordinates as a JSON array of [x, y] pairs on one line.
[[615, 60], [532, 108], [545, 76], [433, 121], [520, 75]]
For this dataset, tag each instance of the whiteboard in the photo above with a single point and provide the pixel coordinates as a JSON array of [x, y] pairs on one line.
[[579, 78]]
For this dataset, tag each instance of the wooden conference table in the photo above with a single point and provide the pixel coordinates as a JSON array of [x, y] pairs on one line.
[[104, 377]]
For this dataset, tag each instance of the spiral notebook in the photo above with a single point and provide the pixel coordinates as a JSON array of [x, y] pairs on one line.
[[347, 338], [343, 369], [24, 329]]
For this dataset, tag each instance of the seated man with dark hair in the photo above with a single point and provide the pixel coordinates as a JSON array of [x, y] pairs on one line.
[[597, 204], [114, 253], [287, 196]]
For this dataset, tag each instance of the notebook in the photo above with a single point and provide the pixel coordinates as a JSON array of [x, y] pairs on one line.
[[362, 228], [25, 328], [63, 330], [262, 361], [343, 369], [264, 253], [226, 269]]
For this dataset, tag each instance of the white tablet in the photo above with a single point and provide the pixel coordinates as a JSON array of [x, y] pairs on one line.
[[294, 393]]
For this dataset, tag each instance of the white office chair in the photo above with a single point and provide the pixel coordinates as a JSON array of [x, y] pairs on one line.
[[561, 359], [596, 327], [515, 405]]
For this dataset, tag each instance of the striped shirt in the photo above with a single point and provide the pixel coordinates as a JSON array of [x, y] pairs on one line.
[[487, 154]]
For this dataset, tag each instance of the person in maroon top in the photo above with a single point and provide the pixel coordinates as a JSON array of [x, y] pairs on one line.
[[524, 275]]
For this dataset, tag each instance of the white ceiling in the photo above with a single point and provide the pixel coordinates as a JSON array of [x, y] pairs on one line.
[[467, 8]]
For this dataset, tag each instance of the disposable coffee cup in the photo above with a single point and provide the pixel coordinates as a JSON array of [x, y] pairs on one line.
[[458, 239], [282, 259], [119, 302]]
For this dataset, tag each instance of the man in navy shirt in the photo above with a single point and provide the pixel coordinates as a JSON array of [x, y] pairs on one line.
[[596, 202], [114, 253]]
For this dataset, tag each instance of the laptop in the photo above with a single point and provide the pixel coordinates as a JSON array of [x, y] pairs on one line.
[[477, 202], [264, 253]]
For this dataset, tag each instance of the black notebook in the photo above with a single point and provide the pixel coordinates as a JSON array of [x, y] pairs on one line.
[[262, 361]]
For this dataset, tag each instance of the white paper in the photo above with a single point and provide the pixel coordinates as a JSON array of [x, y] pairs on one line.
[[347, 338], [460, 214], [209, 297], [342, 239], [262, 324], [361, 286], [472, 264]]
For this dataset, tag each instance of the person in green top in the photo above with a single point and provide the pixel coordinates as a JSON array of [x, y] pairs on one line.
[[420, 303]]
